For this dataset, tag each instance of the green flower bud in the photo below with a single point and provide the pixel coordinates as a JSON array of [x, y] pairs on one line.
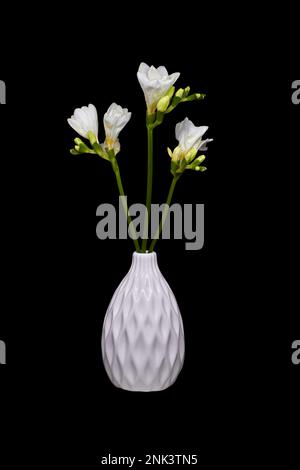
[[163, 104], [171, 92], [200, 159], [186, 91], [81, 147], [195, 96], [191, 154], [179, 93], [177, 154], [170, 152], [92, 138], [196, 167]]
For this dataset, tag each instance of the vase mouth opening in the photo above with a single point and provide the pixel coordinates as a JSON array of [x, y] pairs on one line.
[[147, 254]]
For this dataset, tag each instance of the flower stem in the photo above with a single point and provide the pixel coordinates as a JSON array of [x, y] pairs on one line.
[[165, 213], [116, 169], [149, 186]]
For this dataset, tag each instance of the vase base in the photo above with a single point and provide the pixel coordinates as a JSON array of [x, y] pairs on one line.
[[143, 390]]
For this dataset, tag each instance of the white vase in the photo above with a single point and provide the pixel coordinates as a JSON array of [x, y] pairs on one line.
[[142, 337]]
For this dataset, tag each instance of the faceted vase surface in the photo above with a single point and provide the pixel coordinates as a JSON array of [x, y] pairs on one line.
[[142, 336]]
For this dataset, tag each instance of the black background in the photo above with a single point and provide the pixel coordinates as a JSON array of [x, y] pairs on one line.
[[236, 395]]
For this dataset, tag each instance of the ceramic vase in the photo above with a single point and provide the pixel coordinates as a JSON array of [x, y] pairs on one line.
[[142, 336]]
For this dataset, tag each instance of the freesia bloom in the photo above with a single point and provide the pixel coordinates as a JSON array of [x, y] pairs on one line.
[[155, 84], [190, 140], [115, 119], [189, 136], [85, 120]]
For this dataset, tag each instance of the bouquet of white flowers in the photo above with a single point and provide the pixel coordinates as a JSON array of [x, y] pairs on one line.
[[161, 99], [142, 335]]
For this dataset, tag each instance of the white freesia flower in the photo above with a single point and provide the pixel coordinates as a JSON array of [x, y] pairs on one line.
[[190, 138], [189, 142], [155, 83], [85, 120], [115, 119]]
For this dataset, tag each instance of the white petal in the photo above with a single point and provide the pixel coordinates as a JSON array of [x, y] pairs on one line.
[[162, 71], [84, 120], [143, 80], [77, 128], [203, 145], [153, 73], [94, 117], [202, 130], [155, 83], [181, 127], [173, 78], [143, 68], [114, 120], [188, 135]]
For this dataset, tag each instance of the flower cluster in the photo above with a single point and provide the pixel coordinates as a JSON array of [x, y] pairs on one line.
[[85, 122], [155, 84], [161, 99], [184, 156], [160, 94]]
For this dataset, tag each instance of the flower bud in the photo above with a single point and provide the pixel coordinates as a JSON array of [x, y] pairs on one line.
[[186, 91], [81, 147], [92, 138], [200, 159], [191, 154], [196, 96], [163, 104], [179, 93], [170, 152], [171, 92], [177, 154]]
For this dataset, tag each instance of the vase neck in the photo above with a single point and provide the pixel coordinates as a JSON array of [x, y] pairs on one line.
[[144, 261]]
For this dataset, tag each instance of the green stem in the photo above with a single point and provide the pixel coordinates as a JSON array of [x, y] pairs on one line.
[[165, 213], [149, 186], [116, 169]]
